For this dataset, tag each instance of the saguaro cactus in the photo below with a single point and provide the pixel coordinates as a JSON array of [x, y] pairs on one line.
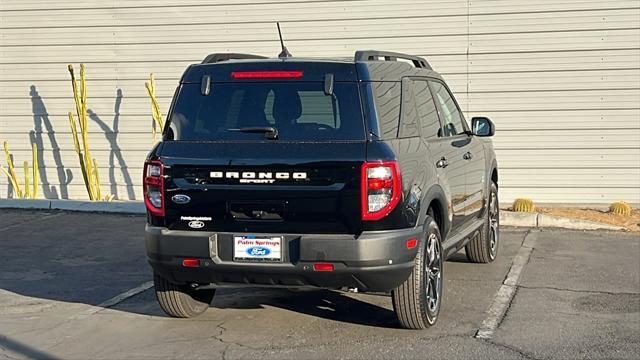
[[30, 187], [155, 107], [88, 164]]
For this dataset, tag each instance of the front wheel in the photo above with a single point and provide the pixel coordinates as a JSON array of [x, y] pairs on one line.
[[179, 300], [417, 300], [483, 248]]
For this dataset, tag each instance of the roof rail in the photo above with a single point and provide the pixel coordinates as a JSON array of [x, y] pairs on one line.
[[373, 55], [217, 57]]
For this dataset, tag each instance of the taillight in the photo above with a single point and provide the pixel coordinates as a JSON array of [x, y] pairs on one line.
[[154, 187], [381, 189]]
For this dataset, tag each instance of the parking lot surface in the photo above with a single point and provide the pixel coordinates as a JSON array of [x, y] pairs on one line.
[[76, 286]]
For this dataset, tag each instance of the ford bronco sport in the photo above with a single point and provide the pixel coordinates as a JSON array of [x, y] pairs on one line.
[[341, 174]]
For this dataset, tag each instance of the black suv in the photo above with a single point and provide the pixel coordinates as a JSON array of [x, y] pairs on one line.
[[356, 174]]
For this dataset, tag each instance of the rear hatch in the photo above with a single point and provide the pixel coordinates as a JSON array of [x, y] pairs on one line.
[[268, 151]]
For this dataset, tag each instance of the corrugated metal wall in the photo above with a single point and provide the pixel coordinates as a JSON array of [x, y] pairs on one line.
[[561, 79]]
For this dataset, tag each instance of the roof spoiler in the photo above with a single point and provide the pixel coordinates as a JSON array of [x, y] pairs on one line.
[[218, 57], [375, 55]]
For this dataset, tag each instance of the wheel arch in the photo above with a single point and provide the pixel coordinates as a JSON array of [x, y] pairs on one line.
[[436, 202], [494, 173]]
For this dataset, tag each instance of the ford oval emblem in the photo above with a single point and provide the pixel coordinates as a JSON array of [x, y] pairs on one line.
[[258, 251], [180, 199], [196, 224]]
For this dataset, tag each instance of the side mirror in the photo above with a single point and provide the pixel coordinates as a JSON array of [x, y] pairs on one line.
[[482, 126]]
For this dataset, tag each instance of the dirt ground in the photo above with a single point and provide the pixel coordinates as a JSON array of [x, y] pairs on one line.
[[631, 223]]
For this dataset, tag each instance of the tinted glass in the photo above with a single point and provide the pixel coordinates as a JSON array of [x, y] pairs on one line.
[[452, 120], [387, 100], [298, 110], [427, 112], [409, 113]]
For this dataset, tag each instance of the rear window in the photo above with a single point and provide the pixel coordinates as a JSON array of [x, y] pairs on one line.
[[298, 110]]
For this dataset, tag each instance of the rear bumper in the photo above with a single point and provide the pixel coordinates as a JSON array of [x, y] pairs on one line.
[[373, 261]]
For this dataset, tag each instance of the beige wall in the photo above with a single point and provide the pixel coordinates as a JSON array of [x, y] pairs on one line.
[[561, 79]]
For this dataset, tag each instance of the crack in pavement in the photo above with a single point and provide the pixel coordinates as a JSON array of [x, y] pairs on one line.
[[46, 217], [518, 351], [228, 344], [577, 290]]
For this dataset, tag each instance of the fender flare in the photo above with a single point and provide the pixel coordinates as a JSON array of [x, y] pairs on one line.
[[436, 193]]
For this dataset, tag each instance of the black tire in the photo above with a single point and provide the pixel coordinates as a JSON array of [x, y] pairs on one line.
[[483, 247], [179, 300], [417, 300]]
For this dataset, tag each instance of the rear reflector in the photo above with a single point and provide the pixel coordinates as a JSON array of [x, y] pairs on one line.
[[411, 243], [266, 74], [322, 267], [191, 263]]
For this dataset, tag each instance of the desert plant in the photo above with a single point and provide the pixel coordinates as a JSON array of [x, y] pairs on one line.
[[155, 106], [523, 205], [30, 187], [88, 165], [620, 208]]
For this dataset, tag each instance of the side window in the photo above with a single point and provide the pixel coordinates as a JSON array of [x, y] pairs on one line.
[[408, 111], [452, 121], [427, 112], [387, 100]]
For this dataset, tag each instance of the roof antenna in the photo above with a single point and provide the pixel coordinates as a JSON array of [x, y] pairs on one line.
[[285, 53]]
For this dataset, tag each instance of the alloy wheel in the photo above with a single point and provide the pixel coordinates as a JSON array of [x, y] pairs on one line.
[[433, 279]]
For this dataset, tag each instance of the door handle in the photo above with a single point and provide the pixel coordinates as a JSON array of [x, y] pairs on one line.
[[442, 163], [467, 156]]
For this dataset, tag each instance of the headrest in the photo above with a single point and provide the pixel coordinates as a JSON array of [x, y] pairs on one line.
[[287, 106]]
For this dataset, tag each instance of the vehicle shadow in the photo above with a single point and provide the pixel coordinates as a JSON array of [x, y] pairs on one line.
[[90, 258], [369, 310], [459, 257], [23, 350], [326, 304]]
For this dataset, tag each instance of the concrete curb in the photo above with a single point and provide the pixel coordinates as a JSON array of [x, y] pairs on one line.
[[123, 207], [510, 218]]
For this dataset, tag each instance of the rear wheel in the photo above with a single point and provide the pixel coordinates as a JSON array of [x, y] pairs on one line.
[[483, 248], [417, 300], [179, 300]]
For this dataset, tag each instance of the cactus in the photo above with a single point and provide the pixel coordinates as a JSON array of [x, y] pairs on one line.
[[34, 168], [524, 205], [620, 208], [30, 186], [155, 107], [88, 164], [11, 172]]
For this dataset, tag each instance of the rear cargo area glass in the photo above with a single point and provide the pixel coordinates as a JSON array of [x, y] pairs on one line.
[[298, 110]]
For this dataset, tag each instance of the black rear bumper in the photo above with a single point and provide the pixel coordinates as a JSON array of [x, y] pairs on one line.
[[373, 261]]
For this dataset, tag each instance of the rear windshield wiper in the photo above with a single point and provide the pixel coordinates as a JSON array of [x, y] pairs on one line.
[[269, 131]]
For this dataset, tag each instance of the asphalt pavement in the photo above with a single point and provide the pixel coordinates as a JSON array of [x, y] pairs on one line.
[[76, 286]]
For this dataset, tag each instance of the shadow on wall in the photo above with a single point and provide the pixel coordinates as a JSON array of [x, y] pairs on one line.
[[42, 124], [111, 134], [44, 127]]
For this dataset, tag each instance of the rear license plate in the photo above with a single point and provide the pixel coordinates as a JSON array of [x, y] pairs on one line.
[[257, 248]]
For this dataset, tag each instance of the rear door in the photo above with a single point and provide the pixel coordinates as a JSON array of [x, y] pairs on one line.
[[450, 150], [239, 179]]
